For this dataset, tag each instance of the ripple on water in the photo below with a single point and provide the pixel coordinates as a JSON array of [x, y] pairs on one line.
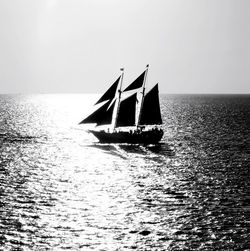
[[59, 190]]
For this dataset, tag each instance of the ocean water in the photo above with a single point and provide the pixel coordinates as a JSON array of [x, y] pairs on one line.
[[62, 190]]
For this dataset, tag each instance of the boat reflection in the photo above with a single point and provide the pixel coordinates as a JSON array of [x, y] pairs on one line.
[[121, 150]]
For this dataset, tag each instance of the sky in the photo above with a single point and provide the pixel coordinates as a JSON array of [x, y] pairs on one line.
[[79, 46]]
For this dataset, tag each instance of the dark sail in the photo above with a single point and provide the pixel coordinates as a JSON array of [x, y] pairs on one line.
[[106, 118], [126, 115], [110, 93], [137, 83], [101, 116], [151, 112]]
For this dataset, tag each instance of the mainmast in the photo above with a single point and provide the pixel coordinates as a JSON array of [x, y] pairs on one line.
[[117, 105], [142, 98]]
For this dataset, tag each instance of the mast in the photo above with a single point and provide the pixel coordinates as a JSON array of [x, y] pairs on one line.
[[117, 105], [142, 98]]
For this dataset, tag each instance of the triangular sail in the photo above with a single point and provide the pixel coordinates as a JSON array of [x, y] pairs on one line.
[[107, 116], [151, 113], [126, 116], [136, 84], [110, 93], [101, 116]]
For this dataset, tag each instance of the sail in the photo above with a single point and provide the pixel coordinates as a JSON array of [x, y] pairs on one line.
[[101, 116], [110, 93], [137, 83], [106, 118], [151, 112], [126, 116]]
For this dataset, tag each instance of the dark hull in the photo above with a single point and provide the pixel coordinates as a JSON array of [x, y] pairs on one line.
[[143, 137]]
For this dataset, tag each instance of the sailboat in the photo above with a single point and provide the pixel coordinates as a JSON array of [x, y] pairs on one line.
[[124, 118]]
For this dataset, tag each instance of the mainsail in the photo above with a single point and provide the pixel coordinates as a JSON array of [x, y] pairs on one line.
[[136, 83], [126, 115], [151, 113], [110, 93], [101, 116]]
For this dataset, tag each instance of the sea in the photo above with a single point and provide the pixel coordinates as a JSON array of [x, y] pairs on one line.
[[62, 190]]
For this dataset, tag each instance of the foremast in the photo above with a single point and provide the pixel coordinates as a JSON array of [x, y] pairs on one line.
[[117, 105], [142, 97]]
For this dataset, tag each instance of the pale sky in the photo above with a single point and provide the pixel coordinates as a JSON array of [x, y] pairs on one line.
[[78, 46]]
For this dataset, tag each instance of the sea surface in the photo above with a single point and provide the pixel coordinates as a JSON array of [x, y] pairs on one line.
[[62, 190]]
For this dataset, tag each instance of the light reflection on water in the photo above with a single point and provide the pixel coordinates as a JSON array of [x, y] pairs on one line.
[[60, 189]]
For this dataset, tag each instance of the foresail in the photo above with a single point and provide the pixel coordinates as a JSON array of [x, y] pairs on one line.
[[126, 115], [101, 116], [137, 83], [110, 93], [106, 118], [151, 112]]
